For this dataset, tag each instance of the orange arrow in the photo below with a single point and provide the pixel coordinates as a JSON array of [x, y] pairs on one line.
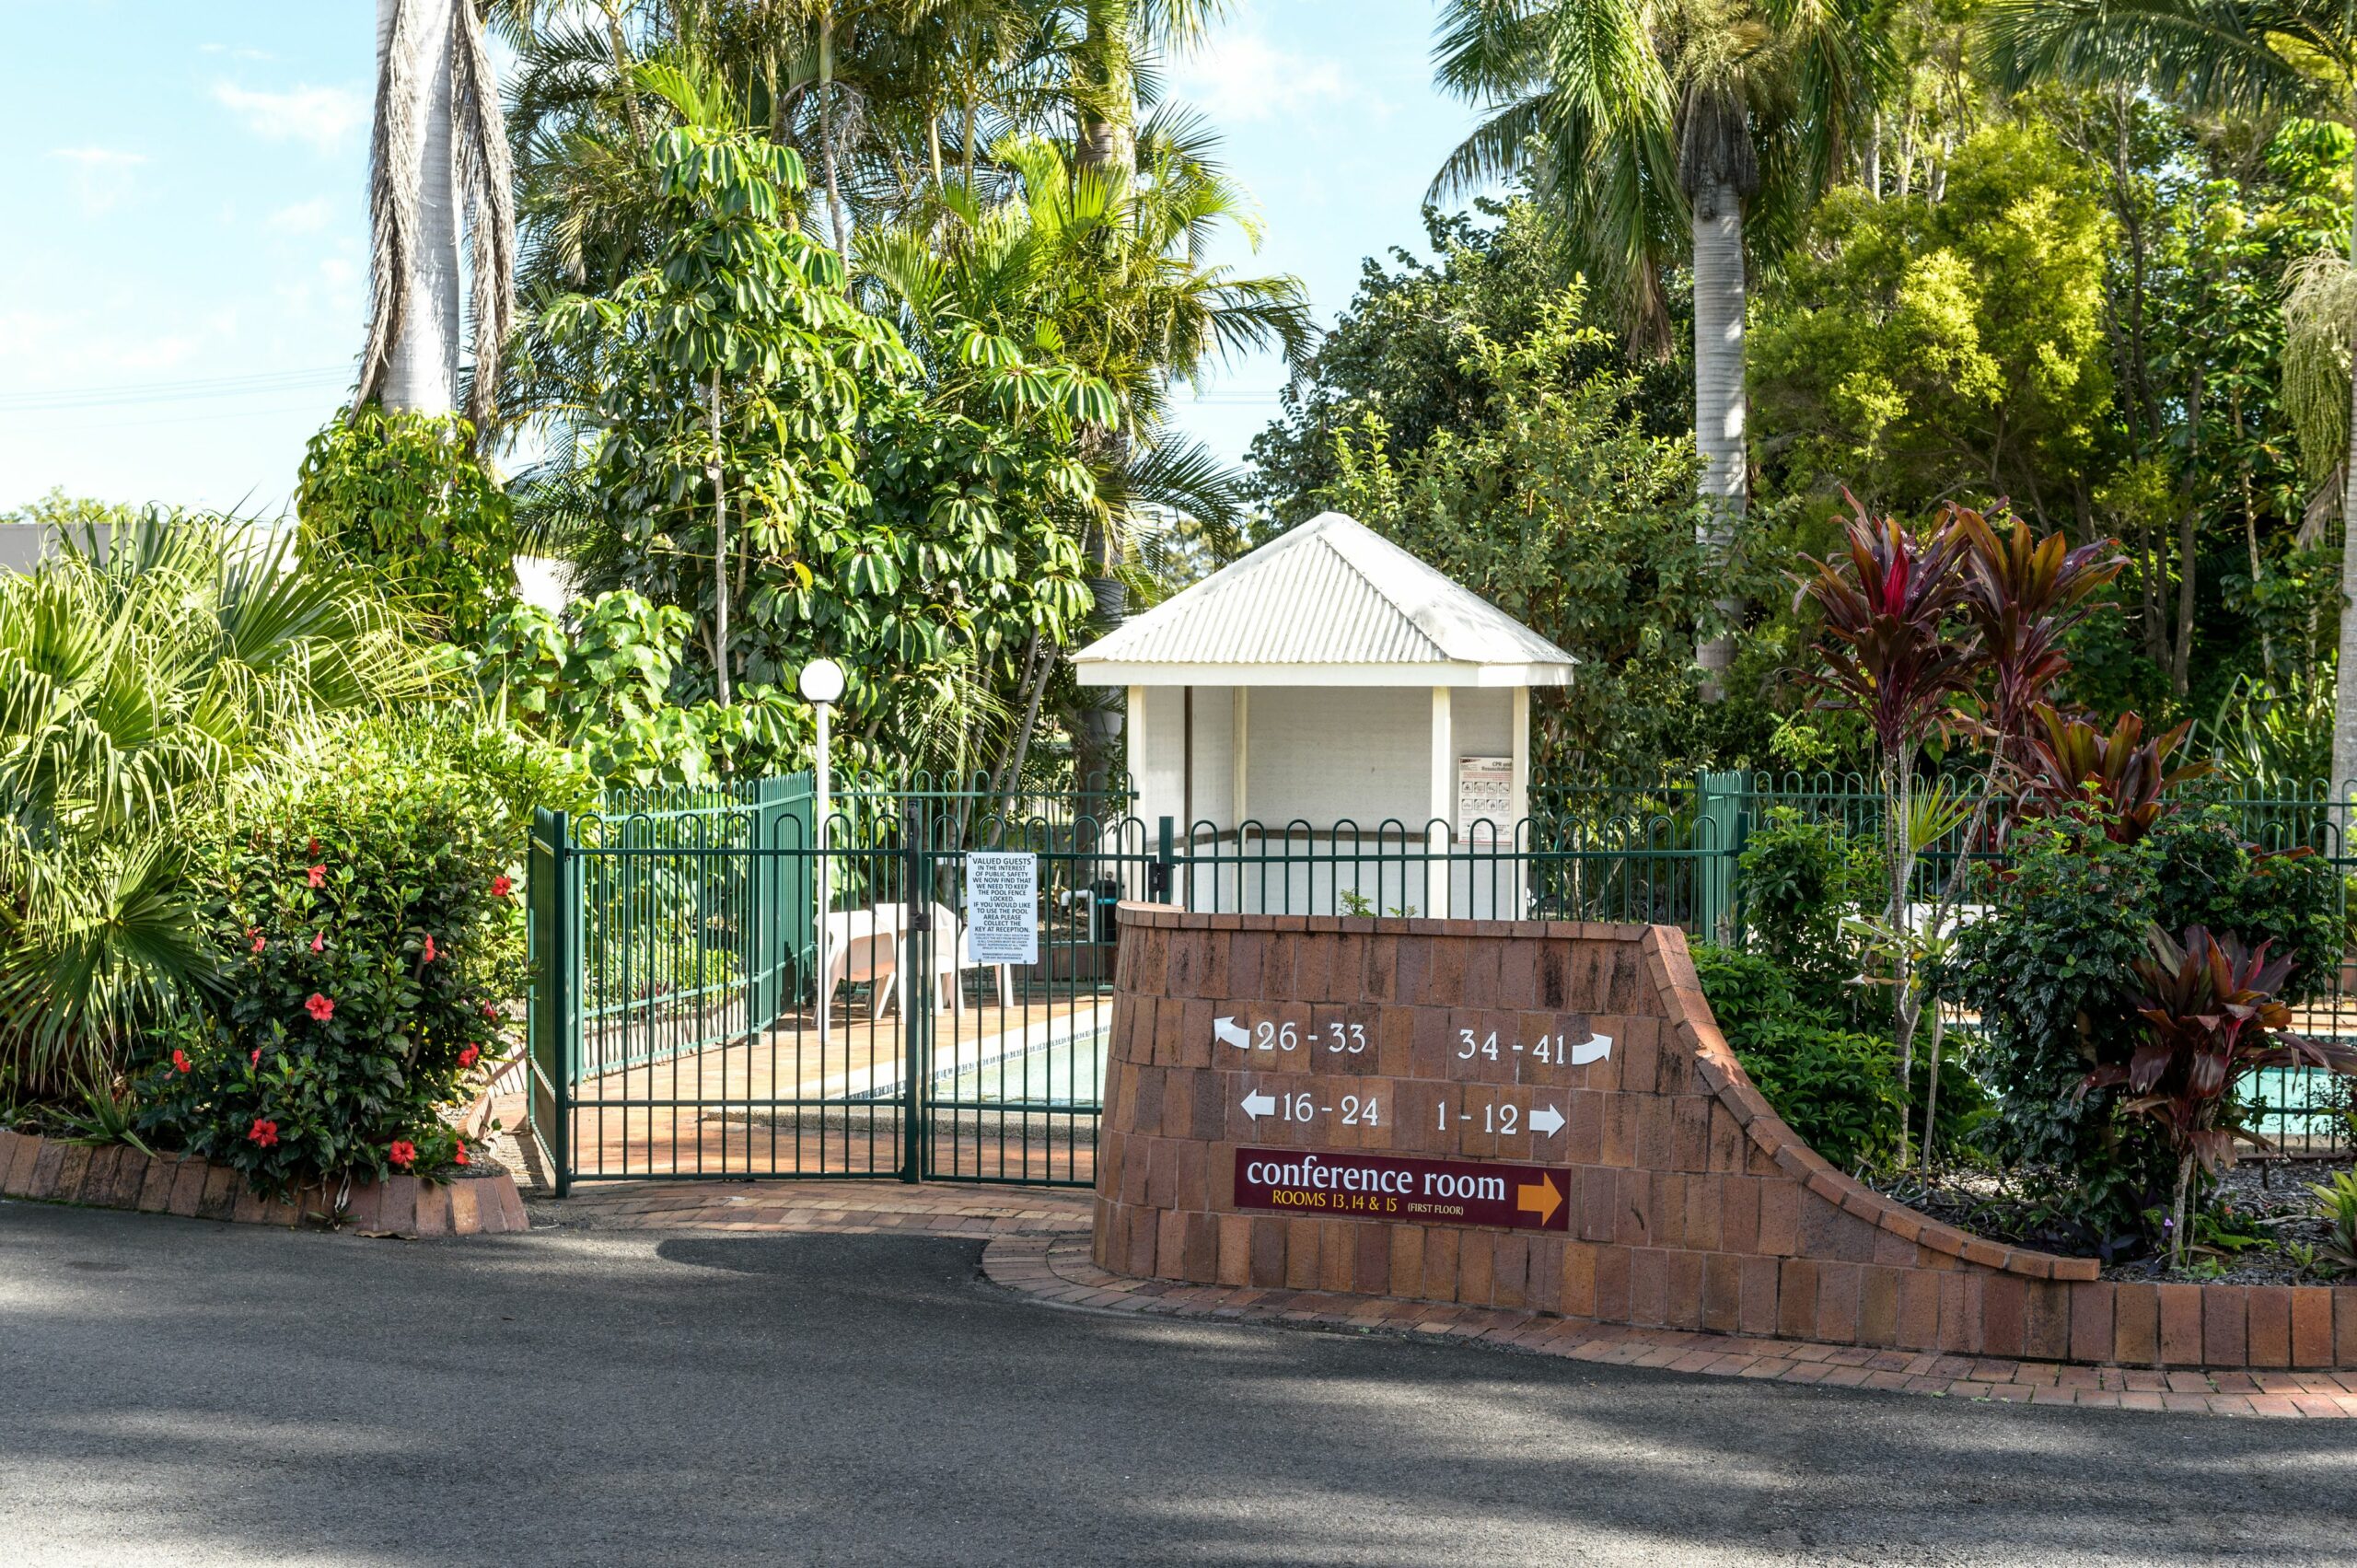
[[1543, 1200]]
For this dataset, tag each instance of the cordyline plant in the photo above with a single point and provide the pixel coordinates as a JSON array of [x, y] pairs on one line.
[[1889, 650], [2024, 595], [1963, 630], [2212, 1018], [2122, 778]]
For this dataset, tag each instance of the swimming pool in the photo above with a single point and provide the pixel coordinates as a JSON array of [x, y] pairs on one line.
[[1056, 1066]]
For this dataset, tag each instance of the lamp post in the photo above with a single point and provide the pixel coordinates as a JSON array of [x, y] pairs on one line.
[[821, 684]]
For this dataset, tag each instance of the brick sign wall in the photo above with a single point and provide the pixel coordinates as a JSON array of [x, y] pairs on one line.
[[1544, 1115]]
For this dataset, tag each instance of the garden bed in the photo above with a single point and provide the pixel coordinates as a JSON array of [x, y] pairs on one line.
[[117, 1176], [2253, 1228]]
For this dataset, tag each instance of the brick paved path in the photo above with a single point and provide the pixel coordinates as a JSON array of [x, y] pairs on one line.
[[1039, 1245]]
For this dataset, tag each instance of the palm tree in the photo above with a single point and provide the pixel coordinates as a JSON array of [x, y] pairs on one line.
[[437, 159], [2253, 57], [1102, 268], [1662, 129], [1118, 41]]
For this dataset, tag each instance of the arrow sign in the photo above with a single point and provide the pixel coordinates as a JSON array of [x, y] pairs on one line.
[[1258, 1105], [1225, 1031], [1546, 1118], [1596, 1048], [1541, 1198]]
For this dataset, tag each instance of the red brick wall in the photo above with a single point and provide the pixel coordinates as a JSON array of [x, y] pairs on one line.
[[1692, 1204]]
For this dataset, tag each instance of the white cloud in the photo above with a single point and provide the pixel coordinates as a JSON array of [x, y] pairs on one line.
[[321, 116], [101, 176], [303, 217], [1239, 76]]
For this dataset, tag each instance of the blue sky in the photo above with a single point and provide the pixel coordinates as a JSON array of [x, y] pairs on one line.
[[183, 291]]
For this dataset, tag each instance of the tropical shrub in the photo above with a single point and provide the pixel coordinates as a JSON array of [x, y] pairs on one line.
[[1836, 1087], [603, 690], [2051, 970], [151, 675], [367, 916], [2212, 1016], [402, 493], [1802, 882]]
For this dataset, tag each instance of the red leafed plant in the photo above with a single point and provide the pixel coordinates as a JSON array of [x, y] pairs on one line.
[[2121, 775], [2024, 595], [1893, 646], [2212, 1017]]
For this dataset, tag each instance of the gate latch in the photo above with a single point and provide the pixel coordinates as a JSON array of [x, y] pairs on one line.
[[920, 917]]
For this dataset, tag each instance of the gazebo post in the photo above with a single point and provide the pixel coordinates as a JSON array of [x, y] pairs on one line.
[[1240, 725], [1443, 811]]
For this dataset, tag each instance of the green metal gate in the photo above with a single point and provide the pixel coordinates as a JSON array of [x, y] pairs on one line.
[[676, 1024]]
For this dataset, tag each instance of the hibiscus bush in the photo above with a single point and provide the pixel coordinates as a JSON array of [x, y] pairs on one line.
[[369, 919]]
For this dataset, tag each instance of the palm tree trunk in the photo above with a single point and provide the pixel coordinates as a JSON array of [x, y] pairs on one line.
[[1719, 395], [421, 368], [2344, 700], [826, 126], [1106, 143], [620, 50]]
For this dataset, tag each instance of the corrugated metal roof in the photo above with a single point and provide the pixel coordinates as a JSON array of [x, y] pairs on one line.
[[1329, 592]]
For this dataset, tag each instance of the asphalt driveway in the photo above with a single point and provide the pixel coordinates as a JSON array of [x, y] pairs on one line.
[[178, 1392]]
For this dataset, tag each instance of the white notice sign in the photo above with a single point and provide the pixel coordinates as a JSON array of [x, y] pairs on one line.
[[1002, 907], [1485, 798]]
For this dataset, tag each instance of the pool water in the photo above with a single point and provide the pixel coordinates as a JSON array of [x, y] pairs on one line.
[[1063, 1074]]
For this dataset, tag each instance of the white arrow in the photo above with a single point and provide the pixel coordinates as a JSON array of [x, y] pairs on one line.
[[1258, 1105], [1225, 1031], [1546, 1118], [1595, 1049]]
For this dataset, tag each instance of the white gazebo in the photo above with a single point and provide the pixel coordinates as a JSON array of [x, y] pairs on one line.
[[1322, 702]]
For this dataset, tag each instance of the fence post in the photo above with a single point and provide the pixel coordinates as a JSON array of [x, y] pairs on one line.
[[1157, 875], [1719, 810], [551, 910], [916, 981]]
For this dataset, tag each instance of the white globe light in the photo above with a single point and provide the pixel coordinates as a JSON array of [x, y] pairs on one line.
[[822, 680]]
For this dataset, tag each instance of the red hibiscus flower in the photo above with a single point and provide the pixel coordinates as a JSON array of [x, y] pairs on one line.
[[257, 937], [429, 949], [264, 1132], [500, 886], [315, 846], [469, 1056], [255, 1058], [318, 942], [459, 1156], [403, 1153], [491, 1012], [319, 875], [320, 1007], [180, 1060]]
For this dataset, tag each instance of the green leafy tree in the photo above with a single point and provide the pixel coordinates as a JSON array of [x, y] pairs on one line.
[[1911, 349], [757, 450], [404, 494], [1402, 350], [1562, 511], [2246, 56]]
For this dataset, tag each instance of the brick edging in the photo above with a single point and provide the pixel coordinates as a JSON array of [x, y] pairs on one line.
[[116, 1176], [1057, 1271], [1672, 970]]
